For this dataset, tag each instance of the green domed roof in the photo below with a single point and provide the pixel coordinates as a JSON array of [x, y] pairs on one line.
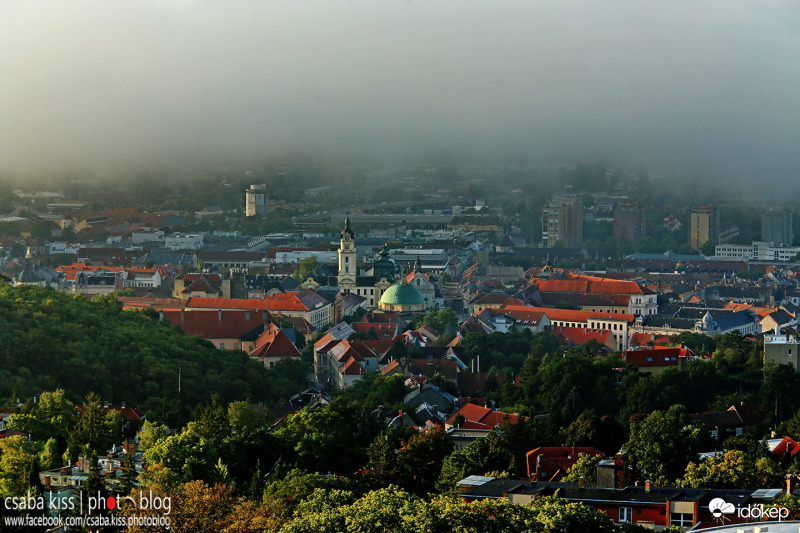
[[402, 294]]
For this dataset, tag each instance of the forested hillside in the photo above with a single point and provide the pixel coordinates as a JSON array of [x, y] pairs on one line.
[[51, 340]]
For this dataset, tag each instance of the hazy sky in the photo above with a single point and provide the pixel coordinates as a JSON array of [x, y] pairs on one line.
[[711, 87]]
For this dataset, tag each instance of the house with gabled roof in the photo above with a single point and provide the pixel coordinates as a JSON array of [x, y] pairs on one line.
[[737, 419], [340, 363], [274, 345], [551, 463], [654, 360], [783, 449], [489, 300], [777, 319], [524, 318], [340, 331], [426, 392], [422, 282], [477, 417], [194, 285], [481, 323], [380, 347]]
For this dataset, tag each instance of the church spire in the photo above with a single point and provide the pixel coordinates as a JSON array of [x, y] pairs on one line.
[[347, 229], [417, 265]]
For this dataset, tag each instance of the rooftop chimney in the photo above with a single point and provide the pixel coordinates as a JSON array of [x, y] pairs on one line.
[[581, 482], [647, 485]]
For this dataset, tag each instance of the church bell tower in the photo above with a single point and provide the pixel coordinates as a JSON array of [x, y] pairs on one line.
[[347, 258]]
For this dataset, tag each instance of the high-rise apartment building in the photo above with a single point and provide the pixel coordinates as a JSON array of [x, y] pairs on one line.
[[562, 221], [776, 227], [703, 225], [630, 223], [256, 200]]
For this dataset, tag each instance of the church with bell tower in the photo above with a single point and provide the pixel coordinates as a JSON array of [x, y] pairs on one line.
[[384, 273]]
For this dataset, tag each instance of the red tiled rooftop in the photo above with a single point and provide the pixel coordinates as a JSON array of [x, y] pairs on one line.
[[580, 336], [211, 324], [591, 284], [568, 315], [226, 303], [274, 342], [656, 356], [483, 415]]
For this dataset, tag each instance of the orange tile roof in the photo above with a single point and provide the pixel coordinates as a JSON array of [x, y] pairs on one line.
[[274, 342], [226, 303], [483, 416], [352, 367], [388, 368], [787, 446], [287, 301], [580, 336], [568, 314], [643, 339], [656, 356], [522, 314], [591, 285]]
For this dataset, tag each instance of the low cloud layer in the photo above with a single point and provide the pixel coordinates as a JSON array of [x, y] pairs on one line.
[[711, 88]]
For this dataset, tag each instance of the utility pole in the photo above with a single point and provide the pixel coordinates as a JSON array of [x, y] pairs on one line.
[[179, 397]]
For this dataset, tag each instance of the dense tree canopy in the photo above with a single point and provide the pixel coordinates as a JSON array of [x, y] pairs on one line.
[[56, 340]]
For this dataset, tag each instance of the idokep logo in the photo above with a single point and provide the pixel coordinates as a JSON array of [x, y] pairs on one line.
[[719, 508], [755, 512]]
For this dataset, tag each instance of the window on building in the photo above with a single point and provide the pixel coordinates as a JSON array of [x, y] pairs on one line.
[[235, 345], [681, 519], [625, 514], [222, 346]]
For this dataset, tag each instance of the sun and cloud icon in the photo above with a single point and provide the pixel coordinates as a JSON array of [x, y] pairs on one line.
[[719, 508]]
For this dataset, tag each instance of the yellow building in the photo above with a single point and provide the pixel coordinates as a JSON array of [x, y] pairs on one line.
[[703, 226]]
